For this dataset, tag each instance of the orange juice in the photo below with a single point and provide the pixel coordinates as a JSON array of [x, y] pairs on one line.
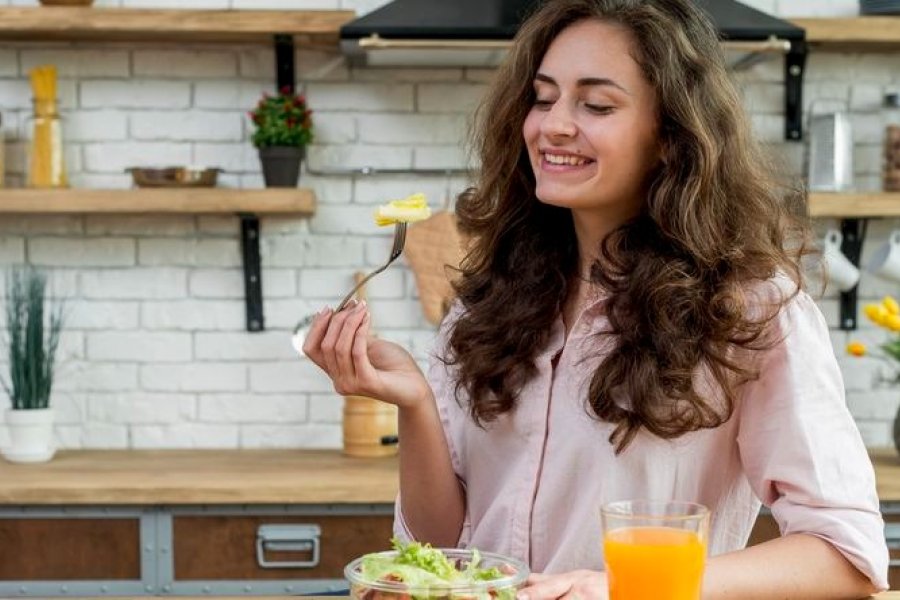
[[653, 563]]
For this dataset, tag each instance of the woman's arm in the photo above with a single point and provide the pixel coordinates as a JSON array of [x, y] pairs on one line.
[[432, 498], [433, 504], [796, 566]]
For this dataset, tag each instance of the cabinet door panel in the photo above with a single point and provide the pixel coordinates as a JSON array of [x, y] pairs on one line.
[[69, 549], [225, 547]]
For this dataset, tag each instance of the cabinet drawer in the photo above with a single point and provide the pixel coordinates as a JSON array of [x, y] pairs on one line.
[[74, 549], [225, 547], [892, 535]]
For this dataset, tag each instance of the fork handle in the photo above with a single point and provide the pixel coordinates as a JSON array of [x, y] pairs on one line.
[[359, 284]]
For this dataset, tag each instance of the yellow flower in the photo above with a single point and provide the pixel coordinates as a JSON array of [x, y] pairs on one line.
[[877, 313], [891, 305], [892, 322], [856, 349]]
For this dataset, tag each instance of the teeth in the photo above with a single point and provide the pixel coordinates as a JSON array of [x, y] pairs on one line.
[[564, 159]]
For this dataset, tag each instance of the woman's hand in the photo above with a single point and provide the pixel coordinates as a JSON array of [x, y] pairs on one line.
[[574, 585], [360, 365]]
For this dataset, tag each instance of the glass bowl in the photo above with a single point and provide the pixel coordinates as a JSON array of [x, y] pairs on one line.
[[503, 588]]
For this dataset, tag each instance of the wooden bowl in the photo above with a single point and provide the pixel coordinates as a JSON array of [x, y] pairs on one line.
[[67, 2]]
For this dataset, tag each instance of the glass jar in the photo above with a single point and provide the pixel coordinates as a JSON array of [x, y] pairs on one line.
[[46, 164]]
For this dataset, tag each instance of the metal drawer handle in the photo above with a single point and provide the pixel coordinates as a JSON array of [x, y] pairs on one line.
[[288, 538]]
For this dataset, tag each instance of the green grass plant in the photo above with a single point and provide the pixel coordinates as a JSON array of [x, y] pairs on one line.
[[32, 340]]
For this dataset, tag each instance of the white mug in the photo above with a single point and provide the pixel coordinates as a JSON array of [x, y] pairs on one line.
[[842, 273], [886, 259]]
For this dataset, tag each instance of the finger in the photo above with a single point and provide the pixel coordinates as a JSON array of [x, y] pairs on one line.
[[549, 589], [365, 372], [536, 578], [311, 346], [344, 345], [330, 339]]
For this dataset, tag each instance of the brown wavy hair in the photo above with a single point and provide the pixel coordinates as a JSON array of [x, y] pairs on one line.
[[714, 223]]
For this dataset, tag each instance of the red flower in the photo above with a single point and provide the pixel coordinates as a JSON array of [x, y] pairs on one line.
[[286, 90]]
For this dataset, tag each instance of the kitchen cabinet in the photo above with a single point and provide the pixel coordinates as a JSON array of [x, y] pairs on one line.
[[190, 522]]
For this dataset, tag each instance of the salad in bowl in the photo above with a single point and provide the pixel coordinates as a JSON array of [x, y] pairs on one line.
[[417, 571]]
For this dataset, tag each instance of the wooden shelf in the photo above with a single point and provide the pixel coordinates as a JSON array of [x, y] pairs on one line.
[[854, 205], [860, 33], [130, 24], [296, 201]]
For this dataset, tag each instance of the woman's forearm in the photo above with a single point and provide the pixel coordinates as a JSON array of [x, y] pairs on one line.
[[431, 496], [796, 566]]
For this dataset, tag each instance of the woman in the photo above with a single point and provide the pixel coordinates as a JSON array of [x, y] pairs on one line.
[[630, 324]]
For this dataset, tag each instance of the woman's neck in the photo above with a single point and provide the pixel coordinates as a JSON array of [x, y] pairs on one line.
[[591, 228]]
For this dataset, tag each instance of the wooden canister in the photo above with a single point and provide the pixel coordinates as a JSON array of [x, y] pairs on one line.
[[368, 424]]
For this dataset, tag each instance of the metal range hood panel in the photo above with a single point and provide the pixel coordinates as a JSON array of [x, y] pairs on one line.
[[442, 19], [484, 20]]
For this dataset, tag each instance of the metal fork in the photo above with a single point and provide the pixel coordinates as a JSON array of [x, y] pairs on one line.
[[396, 251]]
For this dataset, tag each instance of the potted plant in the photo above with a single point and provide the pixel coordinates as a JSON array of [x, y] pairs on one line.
[[33, 337], [283, 130]]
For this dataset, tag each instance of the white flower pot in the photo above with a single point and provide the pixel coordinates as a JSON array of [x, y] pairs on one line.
[[30, 435]]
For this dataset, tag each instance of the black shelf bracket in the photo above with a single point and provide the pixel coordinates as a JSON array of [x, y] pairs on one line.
[[794, 69], [252, 271], [854, 233], [253, 298], [284, 62]]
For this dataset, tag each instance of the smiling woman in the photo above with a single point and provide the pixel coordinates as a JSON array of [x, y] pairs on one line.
[[630, 325]]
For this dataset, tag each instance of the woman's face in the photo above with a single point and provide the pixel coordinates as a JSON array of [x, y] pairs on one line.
[[592, 132]]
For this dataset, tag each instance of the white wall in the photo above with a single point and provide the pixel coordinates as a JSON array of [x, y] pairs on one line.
[[155, 353]]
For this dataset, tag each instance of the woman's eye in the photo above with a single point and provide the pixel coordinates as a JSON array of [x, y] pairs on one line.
[[543, 104], [598, 109]]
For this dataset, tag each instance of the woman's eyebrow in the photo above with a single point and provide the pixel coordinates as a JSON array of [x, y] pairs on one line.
[[583, 82]]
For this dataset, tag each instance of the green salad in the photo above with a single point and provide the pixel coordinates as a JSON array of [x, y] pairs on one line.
[[428, 573]]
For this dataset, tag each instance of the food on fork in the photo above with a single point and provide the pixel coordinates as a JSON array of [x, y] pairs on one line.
[[407, 210]]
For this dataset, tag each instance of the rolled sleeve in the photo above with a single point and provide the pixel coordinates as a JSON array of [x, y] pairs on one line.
[[801, 449]]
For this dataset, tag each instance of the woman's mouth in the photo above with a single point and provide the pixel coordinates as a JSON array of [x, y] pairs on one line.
[[563, 162]]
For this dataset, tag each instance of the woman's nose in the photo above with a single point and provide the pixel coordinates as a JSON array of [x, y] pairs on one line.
[[558, 122]]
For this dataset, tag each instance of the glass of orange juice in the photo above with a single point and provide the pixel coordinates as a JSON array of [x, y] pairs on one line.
[[654, 550]]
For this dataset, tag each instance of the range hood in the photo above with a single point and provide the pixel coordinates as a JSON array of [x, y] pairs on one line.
[[477, 32], [430, 33]]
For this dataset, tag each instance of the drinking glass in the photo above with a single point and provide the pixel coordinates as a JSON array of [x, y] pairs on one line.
[[654, 550]]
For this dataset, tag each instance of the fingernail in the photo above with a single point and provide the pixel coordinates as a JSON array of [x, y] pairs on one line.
[[361, 306], [323, 310]]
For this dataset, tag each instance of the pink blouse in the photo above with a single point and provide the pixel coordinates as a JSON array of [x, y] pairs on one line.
[[536, 477]]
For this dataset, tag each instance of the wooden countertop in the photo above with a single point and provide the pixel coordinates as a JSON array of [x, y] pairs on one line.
[[200, 477], [240, 477]]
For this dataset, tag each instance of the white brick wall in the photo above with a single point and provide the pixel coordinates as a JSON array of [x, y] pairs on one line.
[[155, 353]]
